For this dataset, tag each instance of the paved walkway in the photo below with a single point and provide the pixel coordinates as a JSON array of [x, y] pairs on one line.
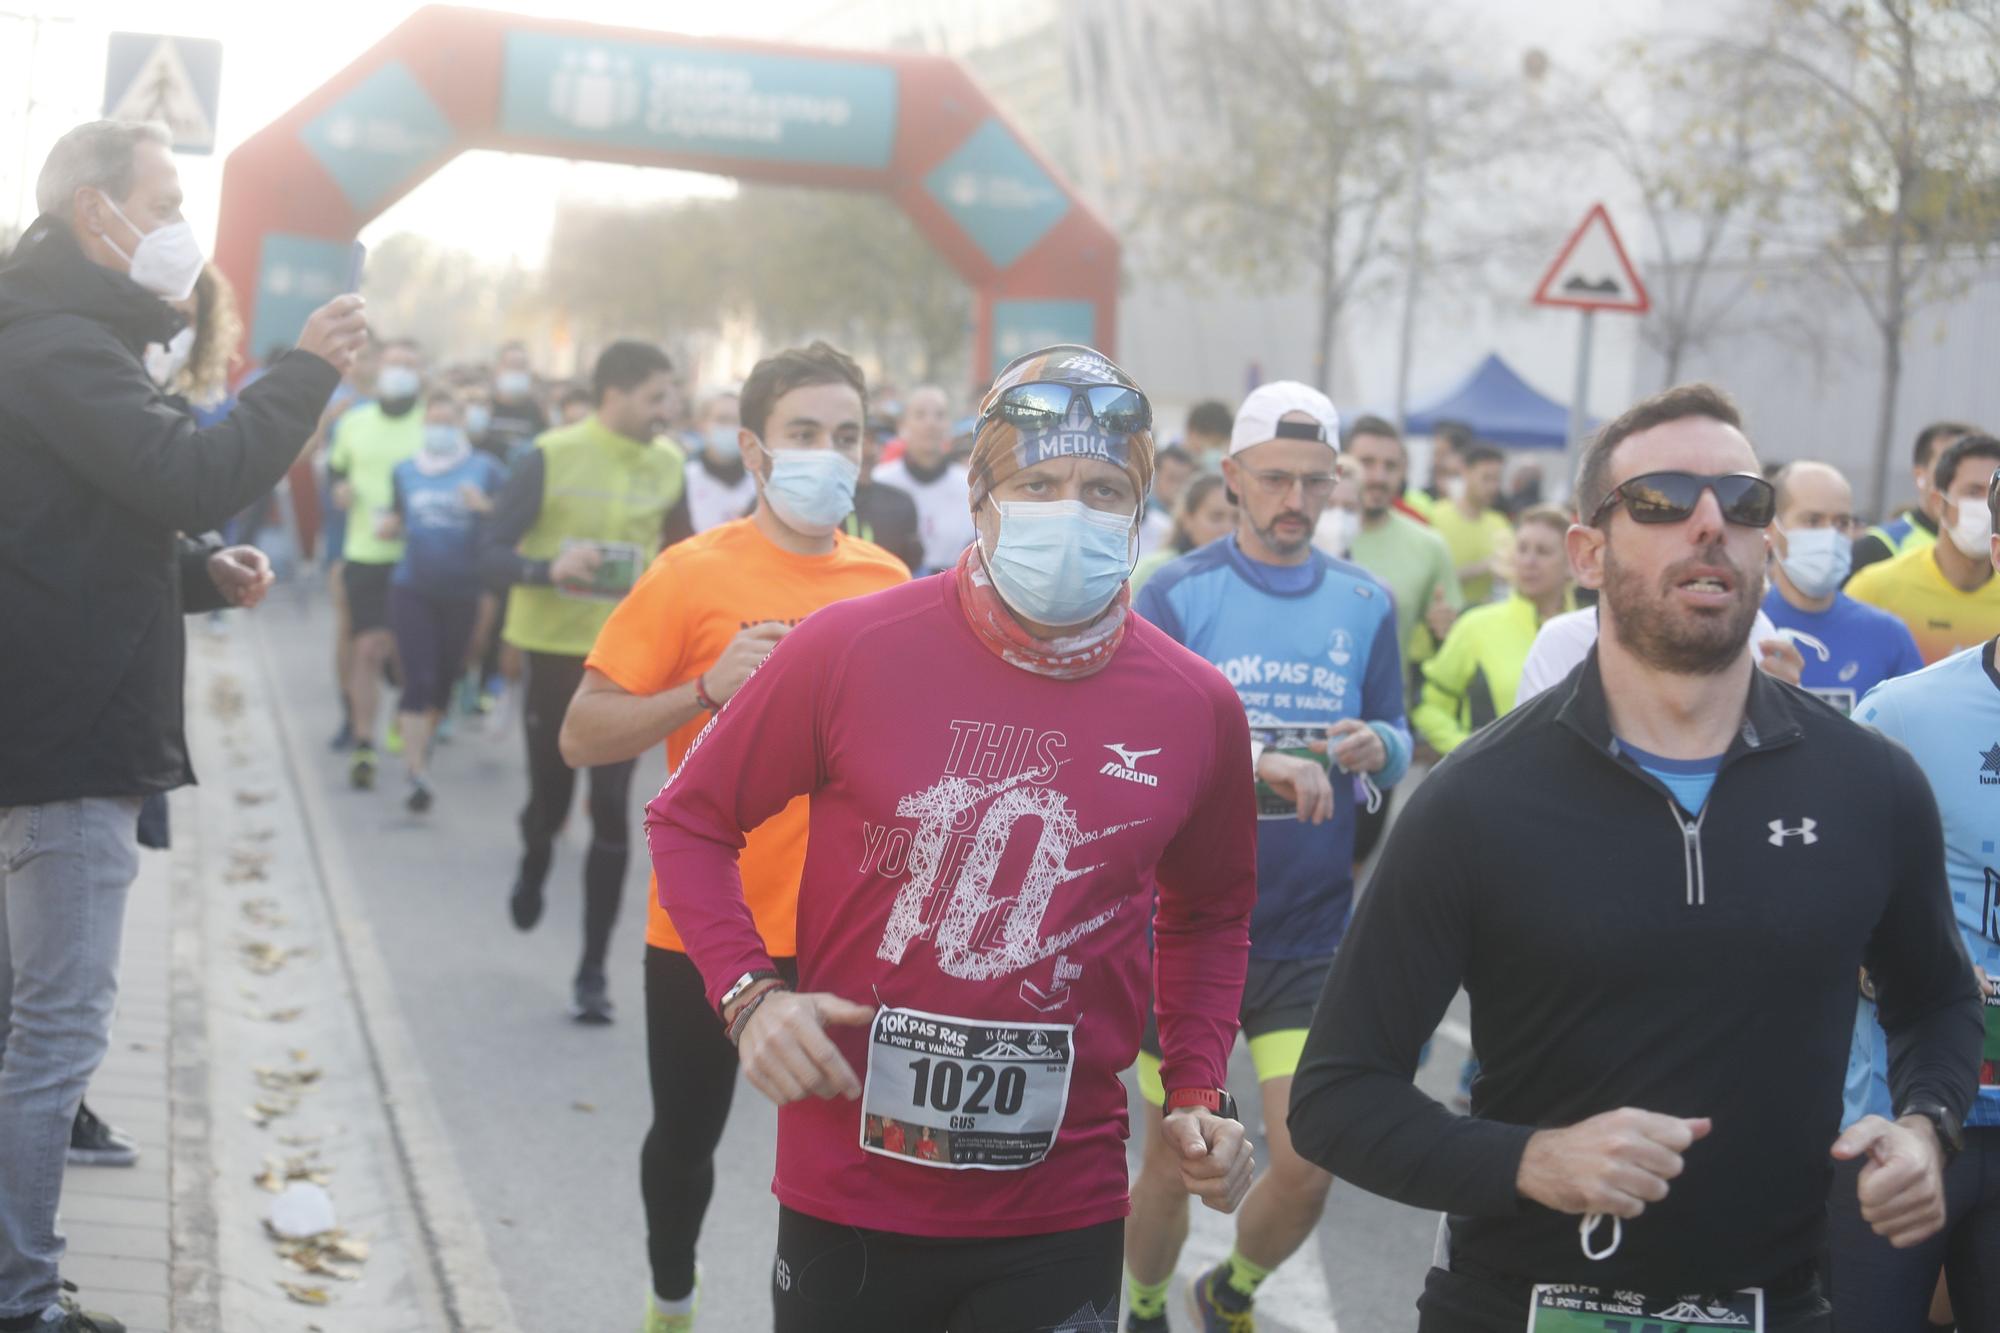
[[119, 1220], [242, 1058]]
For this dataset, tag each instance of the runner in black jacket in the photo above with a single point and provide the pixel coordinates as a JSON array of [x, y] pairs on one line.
[[1621, 952]]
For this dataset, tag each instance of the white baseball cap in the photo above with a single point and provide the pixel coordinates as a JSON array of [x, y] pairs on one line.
[[1259, 420]]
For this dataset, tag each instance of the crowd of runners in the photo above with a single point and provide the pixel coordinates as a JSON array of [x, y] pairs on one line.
[[1732, 1067]]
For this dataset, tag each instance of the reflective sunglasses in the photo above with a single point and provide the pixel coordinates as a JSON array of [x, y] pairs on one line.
[[1277, 485], [1670, 497], [1118, 409]]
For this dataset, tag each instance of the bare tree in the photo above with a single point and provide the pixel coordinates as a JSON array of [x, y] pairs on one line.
[[1892, 107], [1696, 131], [1304, 161]]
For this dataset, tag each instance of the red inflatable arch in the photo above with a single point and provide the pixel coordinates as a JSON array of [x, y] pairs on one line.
[[1042, 265]]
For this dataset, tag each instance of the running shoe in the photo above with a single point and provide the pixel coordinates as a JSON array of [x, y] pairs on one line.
[[591, 1003], [1157, 1324], [343, 740], [393, 742], [526, 901], [65, 1316], [418, 802], [658, 1321], [94, 1143], [361, 769], [1215, 1306]]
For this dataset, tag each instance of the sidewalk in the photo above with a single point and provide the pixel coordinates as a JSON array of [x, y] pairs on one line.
[[242, 1061], [120, 1247]]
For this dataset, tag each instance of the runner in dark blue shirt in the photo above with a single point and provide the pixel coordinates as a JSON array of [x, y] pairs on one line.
[[440, 496], [1848, 648]]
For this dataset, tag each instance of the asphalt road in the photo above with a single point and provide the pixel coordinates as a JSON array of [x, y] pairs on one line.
[[546, 1117]]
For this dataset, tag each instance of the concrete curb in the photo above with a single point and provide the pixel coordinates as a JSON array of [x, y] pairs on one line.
[[468, 1282], [196, 1268]]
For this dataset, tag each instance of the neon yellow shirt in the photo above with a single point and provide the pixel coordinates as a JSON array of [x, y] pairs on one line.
[[1475, 676], [367, 445], [1942, 619], [1472, 540]]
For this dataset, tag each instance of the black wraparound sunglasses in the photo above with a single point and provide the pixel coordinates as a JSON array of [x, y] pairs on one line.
[[1670, 497], [1044, 405]]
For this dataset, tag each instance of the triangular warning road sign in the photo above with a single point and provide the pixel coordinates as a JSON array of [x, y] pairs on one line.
[[163, 90], [1592, 272]]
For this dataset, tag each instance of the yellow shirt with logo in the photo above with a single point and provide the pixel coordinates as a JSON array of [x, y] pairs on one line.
[[1942, 619], [1488, 537]]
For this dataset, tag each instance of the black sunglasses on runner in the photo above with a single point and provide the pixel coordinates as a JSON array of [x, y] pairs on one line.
[[1043, 405], [1670, 497]]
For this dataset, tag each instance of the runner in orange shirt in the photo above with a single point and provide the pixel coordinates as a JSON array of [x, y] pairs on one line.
[[680, 644]]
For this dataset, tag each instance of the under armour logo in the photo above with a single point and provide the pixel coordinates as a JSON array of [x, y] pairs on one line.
[[1805, 830]]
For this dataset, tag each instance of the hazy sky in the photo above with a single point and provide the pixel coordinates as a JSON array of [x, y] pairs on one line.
[[495, 204]]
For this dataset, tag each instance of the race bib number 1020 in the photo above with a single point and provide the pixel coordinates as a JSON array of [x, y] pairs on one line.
[[964, 1094]]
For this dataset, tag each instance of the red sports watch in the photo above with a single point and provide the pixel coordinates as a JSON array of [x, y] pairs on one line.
[[1216, 1101]]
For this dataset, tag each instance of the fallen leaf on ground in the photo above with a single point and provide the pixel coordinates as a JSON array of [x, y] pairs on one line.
[[328, 1254], [279, 1171], [225, 698], [264, 957], [581, 1106], [305, 1295], [290, 1015], [254, 796], [268, 1108], [262, 912], [284, 1080]]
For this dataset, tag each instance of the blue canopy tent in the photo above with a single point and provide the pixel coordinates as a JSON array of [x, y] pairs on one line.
[[1500, 407]]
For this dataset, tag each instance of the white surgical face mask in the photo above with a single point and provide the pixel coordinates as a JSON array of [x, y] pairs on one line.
[[722, 445], [811, 490], [1060, 562], [164, 361], [1454, 488], [513, 383], [1816, 560], [1973, 532], [478, 417], [398, 383], [166, 261]]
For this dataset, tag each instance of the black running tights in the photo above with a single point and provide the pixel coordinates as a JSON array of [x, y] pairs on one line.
[[693, 1067], [551, 679]]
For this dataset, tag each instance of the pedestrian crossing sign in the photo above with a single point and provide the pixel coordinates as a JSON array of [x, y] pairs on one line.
[[175, 80]]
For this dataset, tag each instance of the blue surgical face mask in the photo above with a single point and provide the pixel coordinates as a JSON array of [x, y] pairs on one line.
[[1060, 562], [478, 417], [811, 490], [722, 445], [1816, 560], [444, 440]]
